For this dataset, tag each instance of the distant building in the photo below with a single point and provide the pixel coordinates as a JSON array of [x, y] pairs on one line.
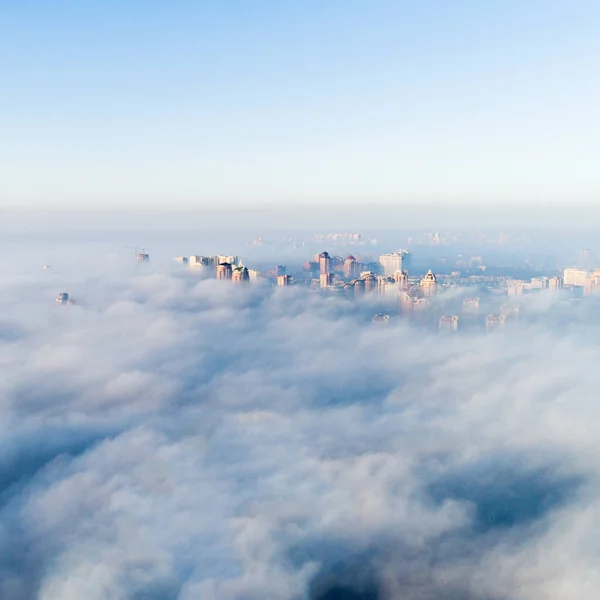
[[592, 284], [283, 280], [222, 258], [471, 305], [351, 267], [575, 277], [325, 280], [539, 283], [370, 280], [395, 261], [324, 263], [253, 275], [381, 319], [421, 304], [311, 266], [516, 287], [63, 298], [201, 261], [386, 285], [555, 284], [359, 287], [182, 260], [239, 275], [493, 322], [448, 323], [401, 279], [429, 284], [224, 271], [141, 257]]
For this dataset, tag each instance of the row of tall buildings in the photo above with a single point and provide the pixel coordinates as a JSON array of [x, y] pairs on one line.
[[388, 264]]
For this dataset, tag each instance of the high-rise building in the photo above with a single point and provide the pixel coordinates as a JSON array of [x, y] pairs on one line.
[[401, 279], [538, 283], [232, 260], [359, 287], [284, 280], [325, 279], [555, 284], [182, 260], [224, 271], [253, 275], [494, 322], [516, 287], [201, 261], [386, 285], [64, 298], [429, 284], [575, 277], [324, 263], [448, 323], [395, 261], [370, 280], [239, 275], [351, 268], [142, 257]]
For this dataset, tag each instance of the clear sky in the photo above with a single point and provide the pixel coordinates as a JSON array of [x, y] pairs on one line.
[[111, 103]]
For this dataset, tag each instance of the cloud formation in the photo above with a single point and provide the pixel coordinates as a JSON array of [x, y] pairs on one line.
[[176, 438]]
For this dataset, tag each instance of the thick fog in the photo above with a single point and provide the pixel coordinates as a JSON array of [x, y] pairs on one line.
[[171, 437]]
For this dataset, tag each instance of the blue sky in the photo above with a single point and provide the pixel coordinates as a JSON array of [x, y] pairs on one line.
[[233, 103]]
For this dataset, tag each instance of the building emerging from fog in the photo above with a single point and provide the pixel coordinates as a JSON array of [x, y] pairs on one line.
[[325, 280], [370, 280], [239, 274], [395, 261], [224, 271], [575, 277], [201, 261], [471, 305], [448, 323], [429, 284], [351, 268], [283, 280], [381, 319], [555, 284], [64, 298], [324, 263], [493, 322]]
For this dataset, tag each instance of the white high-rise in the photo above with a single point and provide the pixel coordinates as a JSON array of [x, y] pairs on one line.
[[575, 277], [396, 261]]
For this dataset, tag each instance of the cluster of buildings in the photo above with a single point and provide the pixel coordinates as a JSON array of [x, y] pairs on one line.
[[223, 266], [509, 312], [390, 275], [350, 276]]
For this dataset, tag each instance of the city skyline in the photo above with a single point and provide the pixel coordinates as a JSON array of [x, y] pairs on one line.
[[299, 301]]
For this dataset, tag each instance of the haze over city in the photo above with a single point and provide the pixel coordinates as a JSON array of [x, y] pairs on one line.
[[299, 301]]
